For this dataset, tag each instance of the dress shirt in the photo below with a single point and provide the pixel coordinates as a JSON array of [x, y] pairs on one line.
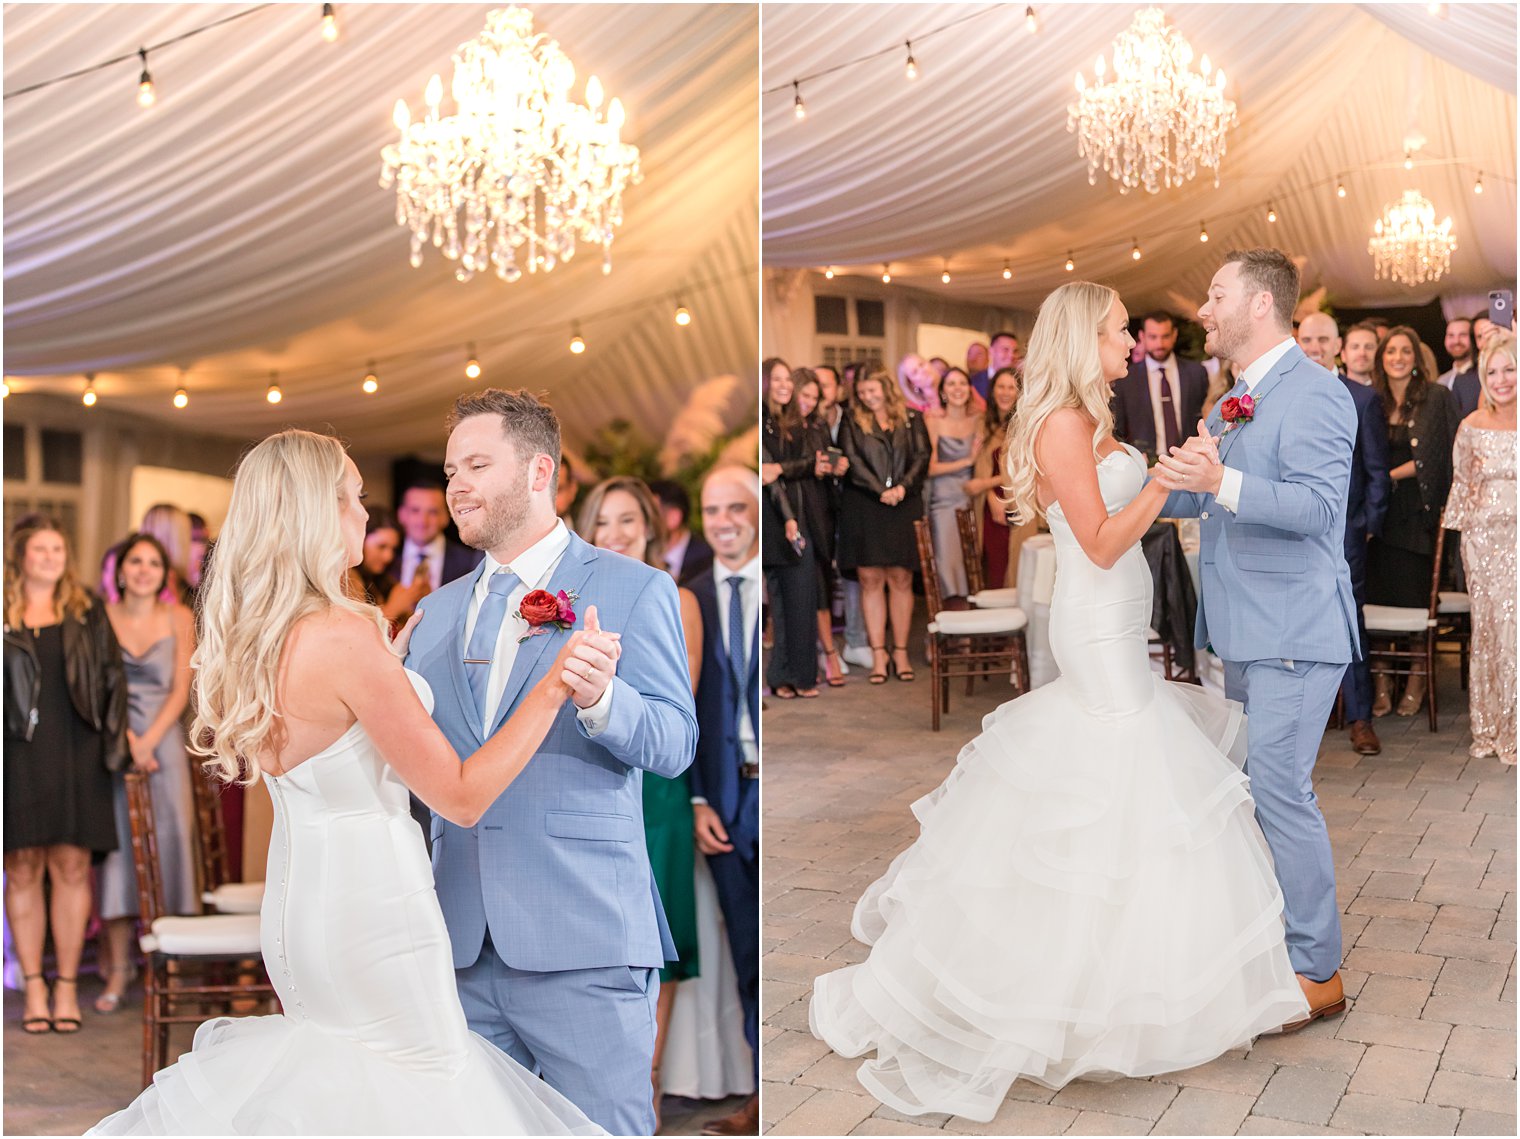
[[411, 554], [1448, 379], [534, 566], [1230, 482], [749, 596], [675, 554], [1153, 372]]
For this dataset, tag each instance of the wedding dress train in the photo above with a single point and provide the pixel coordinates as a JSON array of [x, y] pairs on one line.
[[372, 1039], [1089, 895]]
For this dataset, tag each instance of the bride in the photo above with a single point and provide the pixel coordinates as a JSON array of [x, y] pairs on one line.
[[295, 683], [1089, 895]]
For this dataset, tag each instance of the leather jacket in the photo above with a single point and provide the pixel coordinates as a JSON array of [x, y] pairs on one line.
[[882, 459], [96, 676]]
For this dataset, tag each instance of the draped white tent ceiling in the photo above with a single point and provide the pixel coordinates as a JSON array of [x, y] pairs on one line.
[[972, 163], [238, 226]]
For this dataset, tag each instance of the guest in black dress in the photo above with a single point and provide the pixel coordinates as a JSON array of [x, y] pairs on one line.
[[820, 502], [887, 445], [65, 733], [790, 577], [1422, 426]]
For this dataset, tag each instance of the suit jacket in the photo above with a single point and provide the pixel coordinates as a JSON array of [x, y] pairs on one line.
[[982, 383], [557, 867], [458, 560], [715, 772], [697, 559], [1367, 497], [1468, 390], [1274, 574], [1135, 420]]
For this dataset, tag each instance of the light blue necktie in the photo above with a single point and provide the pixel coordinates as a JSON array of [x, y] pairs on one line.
[[482, 648]]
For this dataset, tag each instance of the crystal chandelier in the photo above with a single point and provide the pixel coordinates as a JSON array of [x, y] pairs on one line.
[[520, 171], [1407, 245], [1154, 121]]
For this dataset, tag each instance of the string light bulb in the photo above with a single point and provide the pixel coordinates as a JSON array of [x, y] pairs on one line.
[[1203, 232], [1478, 185], [1271, 213], [683, 315], [799, 108], [577, 343], [944, 278], [371, 382], [273, 394], [1408, 160], [88, 399], [5, 389], [911, 70], [329, 23], [1071, 265], [146, 93], [1340, 188], [1007, 271], [828, 274], [886, 274], [1029, 20], [1135, 252], [181, 399], [472, 366]]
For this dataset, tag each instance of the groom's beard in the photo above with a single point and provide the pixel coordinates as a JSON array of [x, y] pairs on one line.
[[1230, 336], [501, 517]]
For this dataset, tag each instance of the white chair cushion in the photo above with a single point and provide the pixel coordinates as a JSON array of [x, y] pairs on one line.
[[214, 935], [1394, 619], [995, 599], [1453, 602], [236, 897], [962, 622]]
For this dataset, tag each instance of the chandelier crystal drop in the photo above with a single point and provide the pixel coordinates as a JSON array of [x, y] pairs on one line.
[[1407, 245], [1153, 121], [520, 172]]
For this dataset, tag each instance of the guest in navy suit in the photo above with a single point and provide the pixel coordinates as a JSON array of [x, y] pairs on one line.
[[1159, 402], [1367, 501], [1005, 353], [725, 776]]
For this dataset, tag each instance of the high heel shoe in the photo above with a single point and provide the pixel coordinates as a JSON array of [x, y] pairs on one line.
[[879, 675], [903, 674], [833, 669], [29, 1023], [73, 1022], [109, 1002]]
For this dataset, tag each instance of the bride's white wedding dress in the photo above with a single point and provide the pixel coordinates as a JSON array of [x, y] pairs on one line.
[[373, 1039], [1089, 894]]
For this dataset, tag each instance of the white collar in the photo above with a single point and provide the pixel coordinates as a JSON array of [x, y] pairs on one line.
[[433, 547], [749, 571], [1264, 363], [534, 563], [1152, 364]]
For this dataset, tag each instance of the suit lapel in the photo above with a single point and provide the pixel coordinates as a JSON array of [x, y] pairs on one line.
[[1285, 363], [570, 575], [458, 681]]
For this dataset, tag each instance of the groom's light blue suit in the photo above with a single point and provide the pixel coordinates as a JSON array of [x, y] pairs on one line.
[[551, 906], [1278, 610]]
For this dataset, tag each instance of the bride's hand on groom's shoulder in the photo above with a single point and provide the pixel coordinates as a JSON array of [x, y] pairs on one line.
[[401, 642], [588, 661]]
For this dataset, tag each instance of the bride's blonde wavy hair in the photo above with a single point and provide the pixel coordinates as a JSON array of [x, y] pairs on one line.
[[1061, 370], [279, 557]]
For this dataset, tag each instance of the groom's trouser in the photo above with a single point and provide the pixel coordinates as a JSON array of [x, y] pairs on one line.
[[589, 1032], [736, 874], [1357, 685], [1288, 703]]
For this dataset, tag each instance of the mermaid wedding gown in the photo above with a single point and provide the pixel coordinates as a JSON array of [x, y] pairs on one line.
[[373, 1040], [1089, 895]]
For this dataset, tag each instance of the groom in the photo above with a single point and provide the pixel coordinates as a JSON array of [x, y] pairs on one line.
[[556, 924], [1277, 605]]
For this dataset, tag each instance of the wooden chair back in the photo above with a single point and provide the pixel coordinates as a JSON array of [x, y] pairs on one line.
[[965, 525], [210, 830], [145, 863], [930, 568]]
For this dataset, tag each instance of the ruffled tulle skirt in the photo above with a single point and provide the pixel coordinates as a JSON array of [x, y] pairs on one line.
[[1088, 897], [272, 1075]]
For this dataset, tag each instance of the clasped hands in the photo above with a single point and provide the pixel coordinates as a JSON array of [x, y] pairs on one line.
[[1194, 466]]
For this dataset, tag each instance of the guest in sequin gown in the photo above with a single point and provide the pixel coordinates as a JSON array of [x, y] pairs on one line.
[[1482, 506]]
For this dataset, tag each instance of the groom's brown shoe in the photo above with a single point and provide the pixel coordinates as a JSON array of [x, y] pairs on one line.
[[745, 1121], [1326, 998]]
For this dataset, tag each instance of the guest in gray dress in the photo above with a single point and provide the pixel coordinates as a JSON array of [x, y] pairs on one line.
[[955, 438], [156, 641]]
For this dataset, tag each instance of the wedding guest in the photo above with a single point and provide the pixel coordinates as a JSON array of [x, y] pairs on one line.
[[1366, 503], [1482, 330], [622, 515], [888, 448], [832, 412], [1160, 400], [1482, 507], [953, 440], [999, 542], [940, 365], [1004, 353], [830, 409], [819, 503], [725, 776], [1422, 426], [426, 552], [1359, 352], [1459, 346], [790, 578], [686, 553], [976, 358], [65, 733], [372, 580], [174, 530], [565, 490], [917, 382], [156, 640], [200, 549]]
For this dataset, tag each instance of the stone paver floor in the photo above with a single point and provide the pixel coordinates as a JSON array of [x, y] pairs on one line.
[[1424, 841]]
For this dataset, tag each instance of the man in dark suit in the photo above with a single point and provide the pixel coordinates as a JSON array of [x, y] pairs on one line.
[[725, 776], [423, 513], [1159, 402], [686, 554], [1003, 354], [1462, 378], [1366, 502]]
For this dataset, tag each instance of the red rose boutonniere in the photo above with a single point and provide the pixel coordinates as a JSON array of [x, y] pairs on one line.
[[543, 610], [1237, 412]]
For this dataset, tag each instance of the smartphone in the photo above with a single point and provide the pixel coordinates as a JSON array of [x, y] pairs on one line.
[[799, 543], [1501, 308], [834, 454]]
